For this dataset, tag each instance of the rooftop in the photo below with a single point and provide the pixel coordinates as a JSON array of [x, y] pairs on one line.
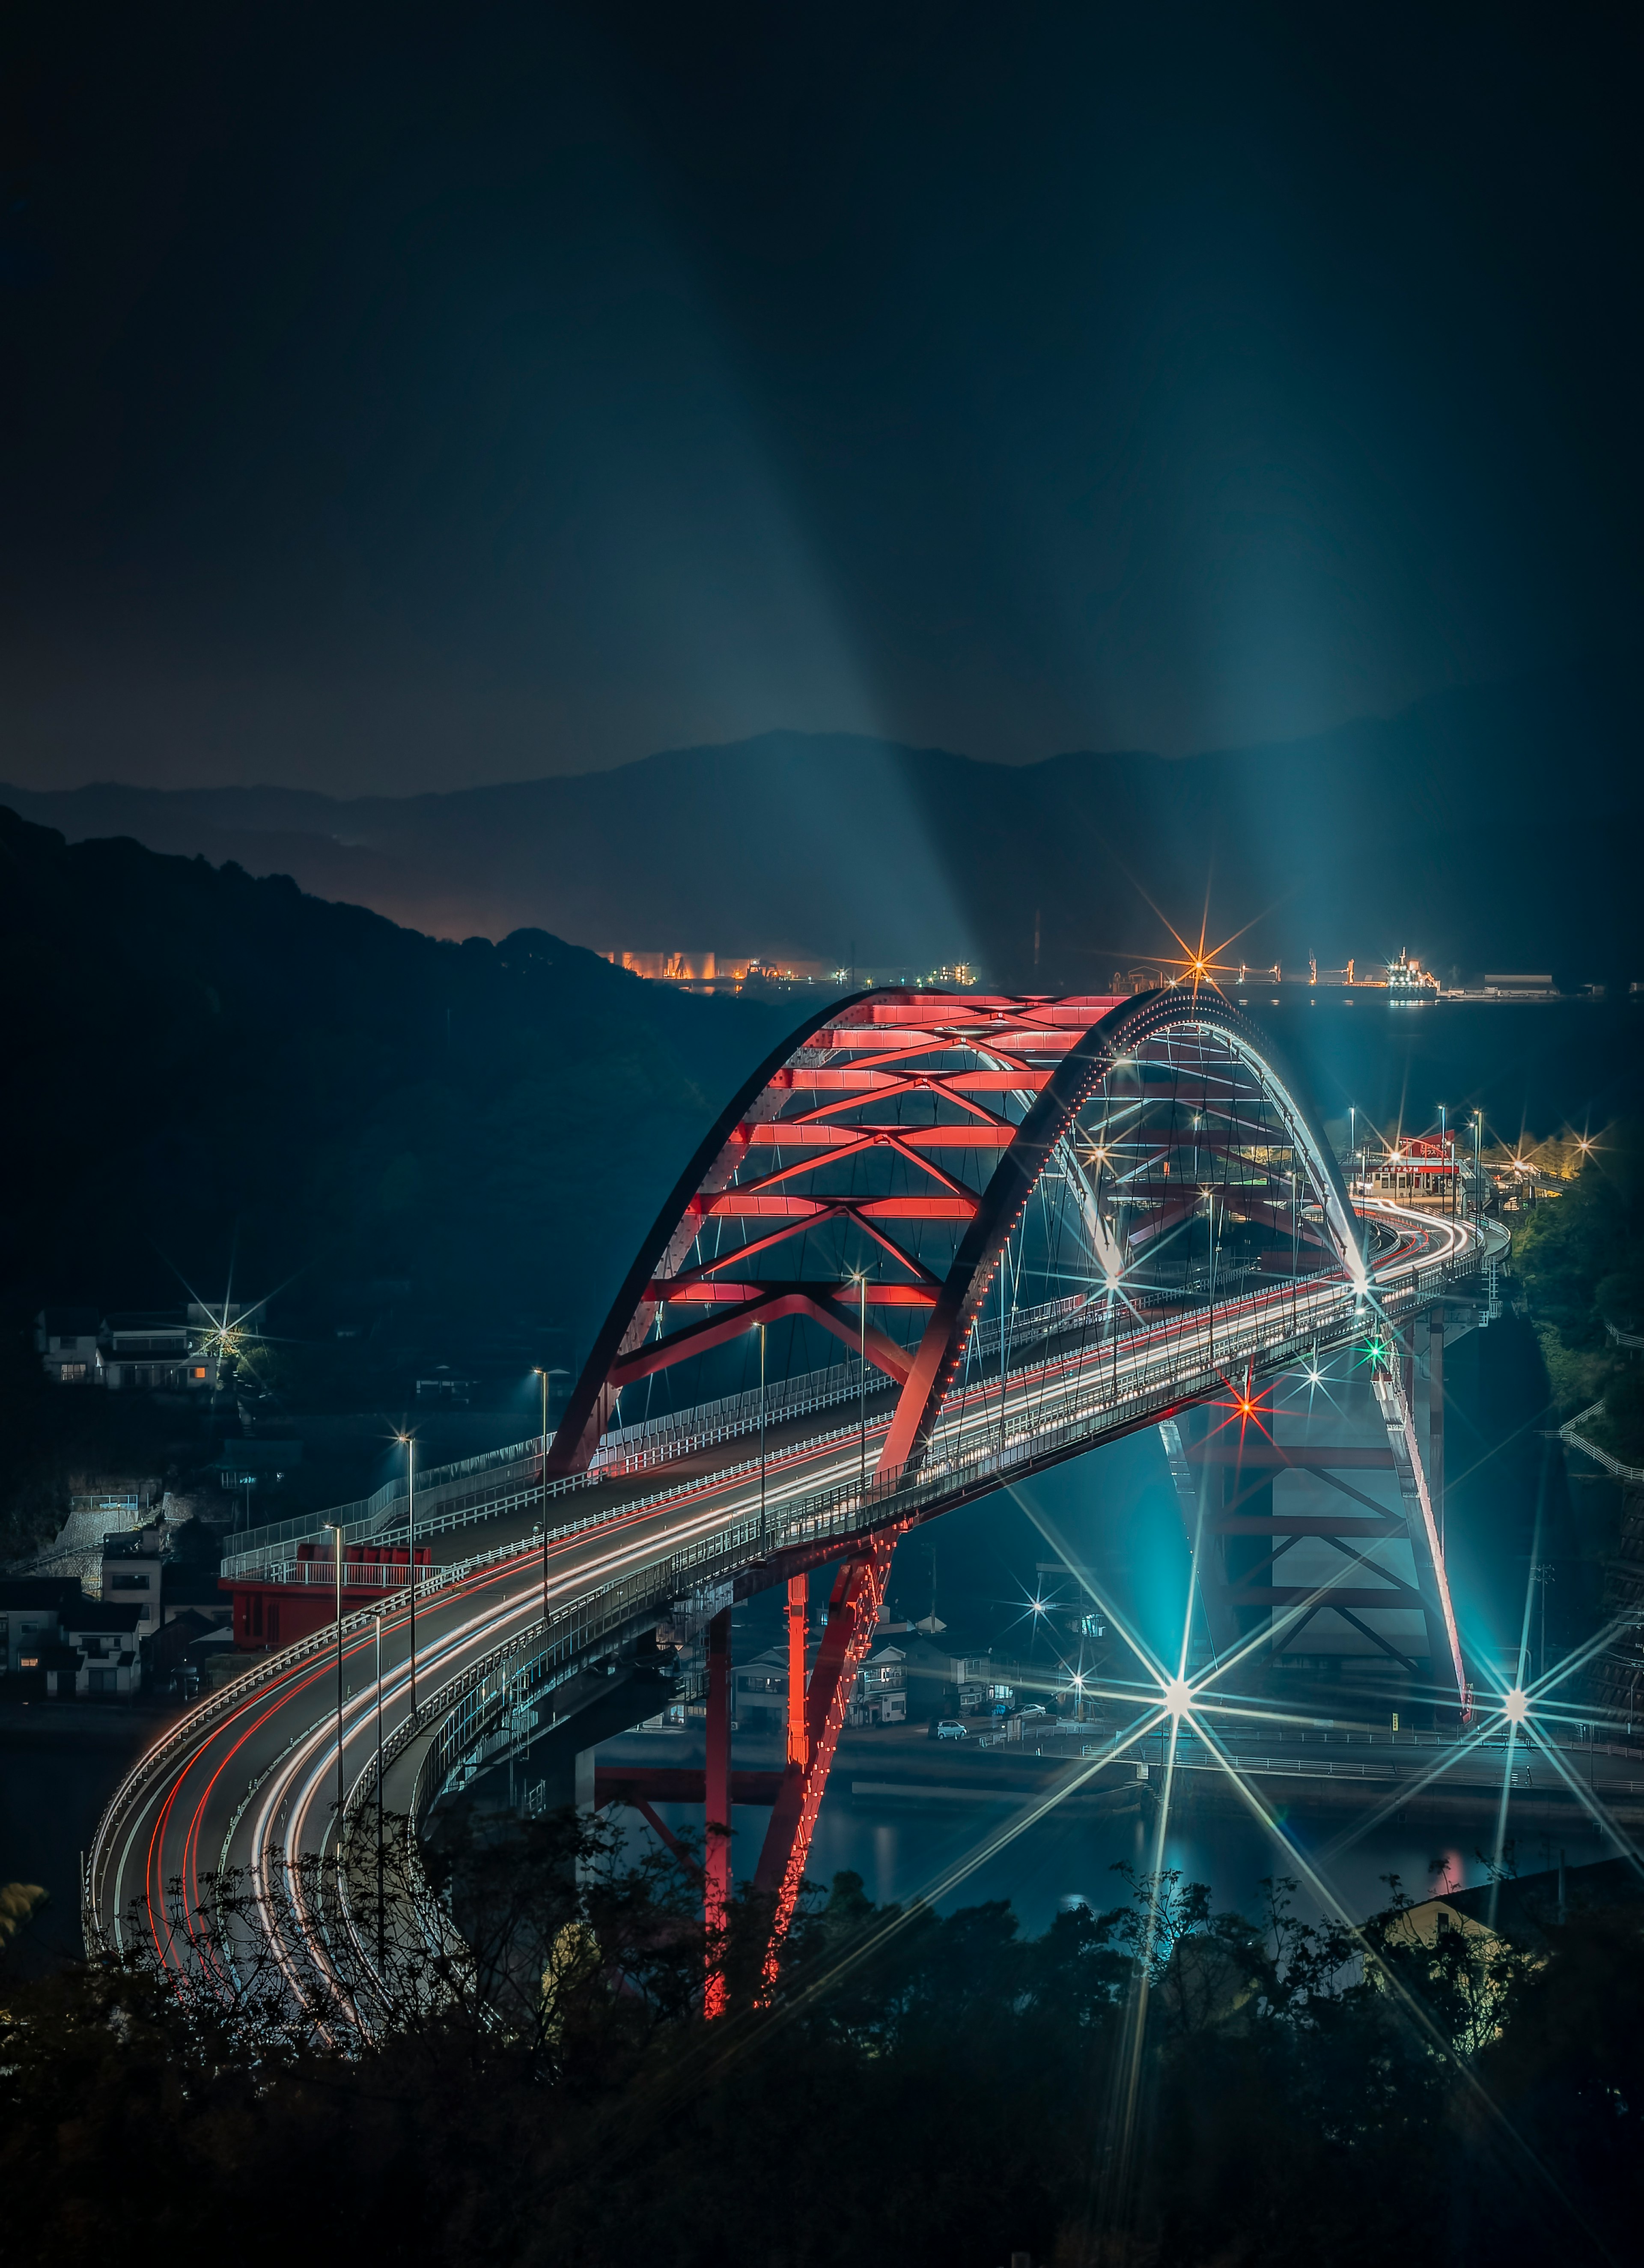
[[89, 1615], [20, 1593]]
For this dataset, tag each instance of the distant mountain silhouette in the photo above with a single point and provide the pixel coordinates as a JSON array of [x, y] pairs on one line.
[[1488, 828], [210, 1071]]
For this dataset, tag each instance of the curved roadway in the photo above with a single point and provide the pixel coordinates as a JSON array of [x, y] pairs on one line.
[[247, 1780]]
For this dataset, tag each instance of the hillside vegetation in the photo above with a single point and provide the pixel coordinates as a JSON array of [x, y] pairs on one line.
[[1154, 2087], [454, 1148], [1581, 1260]]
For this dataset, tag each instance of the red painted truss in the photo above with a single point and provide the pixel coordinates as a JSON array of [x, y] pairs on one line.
[[878, 1163]]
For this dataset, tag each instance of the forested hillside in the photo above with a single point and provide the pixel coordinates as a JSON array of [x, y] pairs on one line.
[[452, 1148]]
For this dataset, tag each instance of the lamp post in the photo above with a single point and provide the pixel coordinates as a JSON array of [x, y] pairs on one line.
[[543, 1375], [1210, 1203], [862, 1354], [1353, 1140], [410, 1441], [381, 1610], [1296, 1244], [1004, 1341], [761, 1438], [1444, 1152], [336, 1529]]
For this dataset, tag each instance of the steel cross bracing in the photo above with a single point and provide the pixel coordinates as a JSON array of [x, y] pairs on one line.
[[885, 1159], [1048, 1221], [1314, 1506]]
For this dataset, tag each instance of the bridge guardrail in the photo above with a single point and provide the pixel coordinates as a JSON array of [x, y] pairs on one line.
[[483, 1504], [188, 1728], [820, 1516], [889, 1500]]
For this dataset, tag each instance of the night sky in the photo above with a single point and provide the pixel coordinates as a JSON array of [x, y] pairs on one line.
[[409, 398]]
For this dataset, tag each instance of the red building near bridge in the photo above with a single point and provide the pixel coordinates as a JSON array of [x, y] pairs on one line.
[[276, 1605]]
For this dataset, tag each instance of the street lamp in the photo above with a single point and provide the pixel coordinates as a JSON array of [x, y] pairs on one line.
[[378, 1619], [1296, 1244], [761, 1439], [1210, 1209], [862, 1351], [543, 1476], [410, 1446], [1004, 1345], [336, 1526]]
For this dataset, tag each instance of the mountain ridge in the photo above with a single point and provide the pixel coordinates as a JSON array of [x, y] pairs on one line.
[[1385, 831]]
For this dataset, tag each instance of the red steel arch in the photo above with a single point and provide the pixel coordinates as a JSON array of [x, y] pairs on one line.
[[996, 1082], [963, 1107], [1125, 1029]]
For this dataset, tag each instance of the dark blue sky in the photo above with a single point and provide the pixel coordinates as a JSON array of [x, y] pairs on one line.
[[410, 398]]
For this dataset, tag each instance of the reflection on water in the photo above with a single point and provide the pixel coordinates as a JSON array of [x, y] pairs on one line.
[[902, 1852]]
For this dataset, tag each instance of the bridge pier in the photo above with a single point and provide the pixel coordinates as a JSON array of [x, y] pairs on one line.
[[716, 1869], [798, 1610], [854, 1608], [1324, 1476]]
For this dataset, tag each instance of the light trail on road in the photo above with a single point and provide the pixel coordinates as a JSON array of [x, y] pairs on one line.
[[283, 1735]]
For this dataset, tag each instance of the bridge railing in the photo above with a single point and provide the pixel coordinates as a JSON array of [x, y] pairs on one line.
[[515, 1482], [492, 1692], [261, 1670], [1199, 1357]]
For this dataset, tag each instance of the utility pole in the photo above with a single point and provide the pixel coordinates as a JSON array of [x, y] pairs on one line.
[[761, 1439]]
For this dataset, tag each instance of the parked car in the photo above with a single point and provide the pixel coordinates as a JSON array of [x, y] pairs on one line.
[[948, 1728], [1033, 1709]]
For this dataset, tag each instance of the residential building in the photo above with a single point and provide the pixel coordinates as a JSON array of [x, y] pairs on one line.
[[880, 1695], [158, 1353], [67, 1343], [51, 1632], [31, 1612], [172, 1350], [193, 1586], [759, 1690], [105, 1638], [134, 1569]]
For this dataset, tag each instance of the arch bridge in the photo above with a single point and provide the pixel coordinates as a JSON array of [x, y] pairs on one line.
[[937, 1243]]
